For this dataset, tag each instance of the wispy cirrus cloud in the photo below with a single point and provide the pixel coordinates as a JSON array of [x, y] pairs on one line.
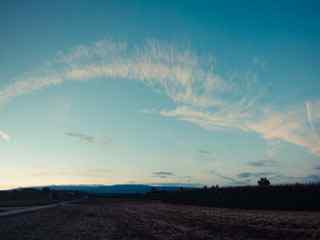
[[292, 126], [181, 74], [4, 136], [202, 96]]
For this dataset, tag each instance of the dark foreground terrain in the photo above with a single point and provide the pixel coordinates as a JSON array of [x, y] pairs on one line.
[[276, 197], [129, 219]]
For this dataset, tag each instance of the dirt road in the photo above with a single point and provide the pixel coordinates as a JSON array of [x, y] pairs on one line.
[[9, 211]]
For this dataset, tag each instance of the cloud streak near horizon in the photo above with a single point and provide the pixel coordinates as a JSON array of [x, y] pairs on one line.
[[163, 174], [201, 95], [81, 136], [86, 138]]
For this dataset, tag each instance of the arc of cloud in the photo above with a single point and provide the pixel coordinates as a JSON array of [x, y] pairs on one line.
[[175, 71], [202, 97]]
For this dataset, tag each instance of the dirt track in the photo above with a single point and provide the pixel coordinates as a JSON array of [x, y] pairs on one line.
[[119, 219]]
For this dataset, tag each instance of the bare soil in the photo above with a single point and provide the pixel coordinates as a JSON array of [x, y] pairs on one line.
[[127, 219]]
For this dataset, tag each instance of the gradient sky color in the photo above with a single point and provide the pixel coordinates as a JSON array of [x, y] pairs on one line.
[[159, 92]]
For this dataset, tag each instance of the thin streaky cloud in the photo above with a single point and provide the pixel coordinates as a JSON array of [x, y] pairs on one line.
[[163, 173], [254, 174], [83, 137], [263, 163], [88, 138], [203, 151], [313, 116]]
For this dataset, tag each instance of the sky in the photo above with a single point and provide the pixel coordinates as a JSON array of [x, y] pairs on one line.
[[159, 92]]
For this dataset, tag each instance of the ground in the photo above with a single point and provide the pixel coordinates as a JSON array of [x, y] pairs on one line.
[[128, 219]]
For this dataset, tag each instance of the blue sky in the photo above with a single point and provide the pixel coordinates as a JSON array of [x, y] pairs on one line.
[[185, 92]]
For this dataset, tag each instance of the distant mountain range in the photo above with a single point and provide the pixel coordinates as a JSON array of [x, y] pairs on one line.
[[118, 189]]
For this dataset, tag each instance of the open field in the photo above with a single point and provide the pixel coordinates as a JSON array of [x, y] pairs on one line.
[[128, 219]]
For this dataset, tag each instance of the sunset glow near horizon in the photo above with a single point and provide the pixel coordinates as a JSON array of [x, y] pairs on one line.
[[185, 93]]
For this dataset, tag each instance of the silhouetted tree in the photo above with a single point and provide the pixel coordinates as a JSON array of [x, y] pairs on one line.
[[263, 182]]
